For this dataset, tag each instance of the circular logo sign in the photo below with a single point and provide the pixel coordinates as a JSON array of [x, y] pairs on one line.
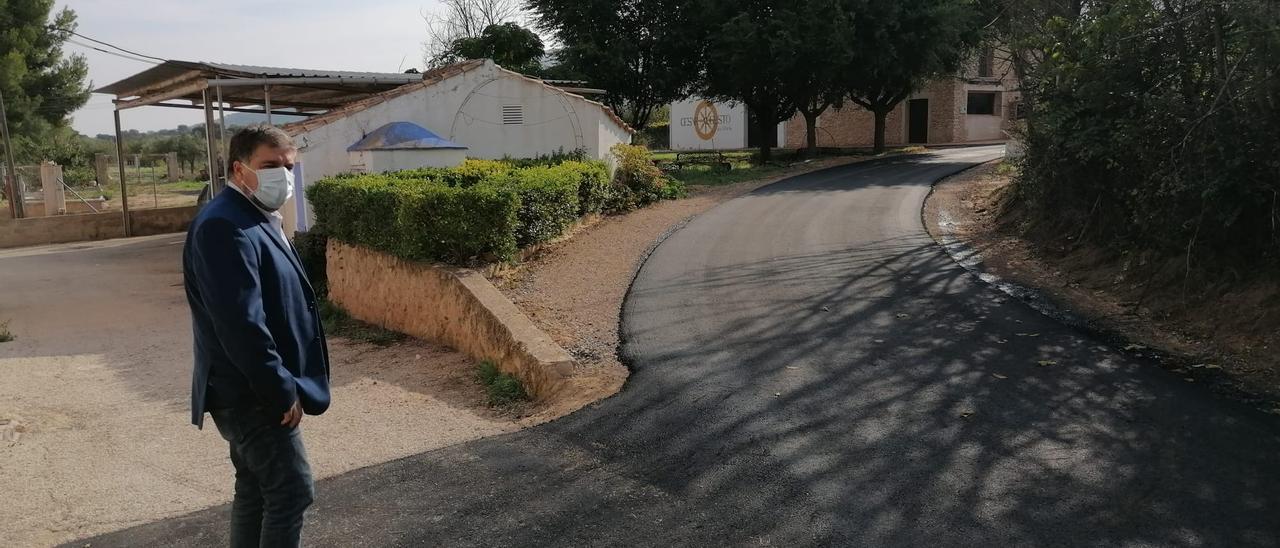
[[706, 120]]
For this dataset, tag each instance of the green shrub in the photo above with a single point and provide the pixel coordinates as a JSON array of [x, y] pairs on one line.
[[548, 202], [417, 219], [482, 208], [554, 159], [594, 186], [470, 173], [503, 389], [437, 222], [311, 246], [638, 181]]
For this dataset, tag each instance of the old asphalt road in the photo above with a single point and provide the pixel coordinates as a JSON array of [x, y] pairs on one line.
[[810, 369]]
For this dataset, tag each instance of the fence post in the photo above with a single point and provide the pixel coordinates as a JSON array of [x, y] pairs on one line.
[[55, 200], [101, 169], [171, 159]]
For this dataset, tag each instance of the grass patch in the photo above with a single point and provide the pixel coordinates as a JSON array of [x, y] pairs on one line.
[[1007, 168], [503, 389], [337, 322], [743, 170], [5, 334]]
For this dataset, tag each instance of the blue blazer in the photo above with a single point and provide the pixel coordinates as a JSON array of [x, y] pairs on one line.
[[258, 338]]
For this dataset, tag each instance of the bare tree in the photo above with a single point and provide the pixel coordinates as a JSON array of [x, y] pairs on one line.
[[463, 19]]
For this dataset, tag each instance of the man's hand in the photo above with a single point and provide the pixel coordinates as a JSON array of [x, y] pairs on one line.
[[293, 416]]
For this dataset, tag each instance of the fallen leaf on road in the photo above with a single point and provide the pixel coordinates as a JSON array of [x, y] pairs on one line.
[[1046, 363], [966, 414], [826, 309], [1027, 334], [1133, 347], [902, 316], [999, 376], [1002, 341], [1206, 366]]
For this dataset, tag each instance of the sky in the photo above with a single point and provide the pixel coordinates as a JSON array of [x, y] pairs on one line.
[[372, 35]]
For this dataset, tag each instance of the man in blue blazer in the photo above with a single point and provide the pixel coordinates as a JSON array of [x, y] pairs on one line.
[[260, 356]]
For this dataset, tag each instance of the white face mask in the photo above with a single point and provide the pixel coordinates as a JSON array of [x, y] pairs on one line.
[[275, 187]]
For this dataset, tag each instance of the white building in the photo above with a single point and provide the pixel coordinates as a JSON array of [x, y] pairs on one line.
[[701, 124], [492, 111], [403, 145]]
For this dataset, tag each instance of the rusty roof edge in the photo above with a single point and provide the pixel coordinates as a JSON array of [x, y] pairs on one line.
[[428, 78]]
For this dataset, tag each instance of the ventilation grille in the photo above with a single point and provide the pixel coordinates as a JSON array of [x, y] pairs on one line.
[[512, 115]]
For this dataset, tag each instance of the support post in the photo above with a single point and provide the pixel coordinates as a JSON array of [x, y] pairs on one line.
[[214, 180], [124, 184], [13, 188], [266, 96], [222, 126]]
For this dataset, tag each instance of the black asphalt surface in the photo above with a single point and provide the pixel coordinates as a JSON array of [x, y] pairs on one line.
[[809, 368]]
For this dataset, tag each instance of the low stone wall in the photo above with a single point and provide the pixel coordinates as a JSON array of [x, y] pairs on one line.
[[149, 222], [59, 229], [451, 306]]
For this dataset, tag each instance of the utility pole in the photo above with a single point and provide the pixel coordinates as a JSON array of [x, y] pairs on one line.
[[11, 174]]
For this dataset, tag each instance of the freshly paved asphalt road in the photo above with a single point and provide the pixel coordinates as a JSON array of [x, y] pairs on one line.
[[810, 369]]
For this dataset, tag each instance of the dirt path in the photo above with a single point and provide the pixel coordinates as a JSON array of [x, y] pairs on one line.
[[95, 389], [574, 290], [1223, 336]]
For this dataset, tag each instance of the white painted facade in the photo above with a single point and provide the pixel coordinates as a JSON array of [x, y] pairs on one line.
[[378, 161], [700, 124], [492, 111]]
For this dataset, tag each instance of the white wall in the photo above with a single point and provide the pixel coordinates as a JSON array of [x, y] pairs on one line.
[[730, 130], [378, 161], [467, 109]]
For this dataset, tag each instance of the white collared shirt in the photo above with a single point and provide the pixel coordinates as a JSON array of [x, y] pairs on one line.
[[273, 217]]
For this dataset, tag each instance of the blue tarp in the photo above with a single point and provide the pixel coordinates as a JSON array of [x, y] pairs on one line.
[[403, 136]]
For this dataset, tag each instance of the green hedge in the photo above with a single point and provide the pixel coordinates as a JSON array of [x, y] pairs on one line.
[[548, 201], [481, 208], [437, 222]]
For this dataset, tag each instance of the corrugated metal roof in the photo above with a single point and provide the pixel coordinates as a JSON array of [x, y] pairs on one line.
[[272, 72], [172, 70]]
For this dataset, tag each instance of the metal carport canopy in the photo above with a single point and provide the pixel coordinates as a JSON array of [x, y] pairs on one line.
[[202, 85]]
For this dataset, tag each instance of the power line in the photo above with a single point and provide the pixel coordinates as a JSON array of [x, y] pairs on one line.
[[108, 52], [108, 44]]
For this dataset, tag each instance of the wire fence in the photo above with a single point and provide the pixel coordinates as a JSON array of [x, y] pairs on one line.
[[150, 184]]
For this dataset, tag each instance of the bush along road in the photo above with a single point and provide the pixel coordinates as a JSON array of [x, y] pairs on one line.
[[809, 368]]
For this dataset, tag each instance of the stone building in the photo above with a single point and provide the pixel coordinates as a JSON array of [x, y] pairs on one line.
[[976, 106]]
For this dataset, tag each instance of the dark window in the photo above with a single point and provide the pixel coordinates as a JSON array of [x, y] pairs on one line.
[[985, 61], [982, 102]]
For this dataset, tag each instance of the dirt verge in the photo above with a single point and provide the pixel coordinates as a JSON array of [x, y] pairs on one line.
[[1223, 334]]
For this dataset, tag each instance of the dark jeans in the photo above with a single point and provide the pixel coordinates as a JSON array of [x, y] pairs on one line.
[[273, 479]]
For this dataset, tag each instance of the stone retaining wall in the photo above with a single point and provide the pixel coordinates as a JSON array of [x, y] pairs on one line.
[[86, 227], [450, 306]]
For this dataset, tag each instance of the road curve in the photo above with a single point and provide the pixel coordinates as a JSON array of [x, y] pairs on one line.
[[809, 368]]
